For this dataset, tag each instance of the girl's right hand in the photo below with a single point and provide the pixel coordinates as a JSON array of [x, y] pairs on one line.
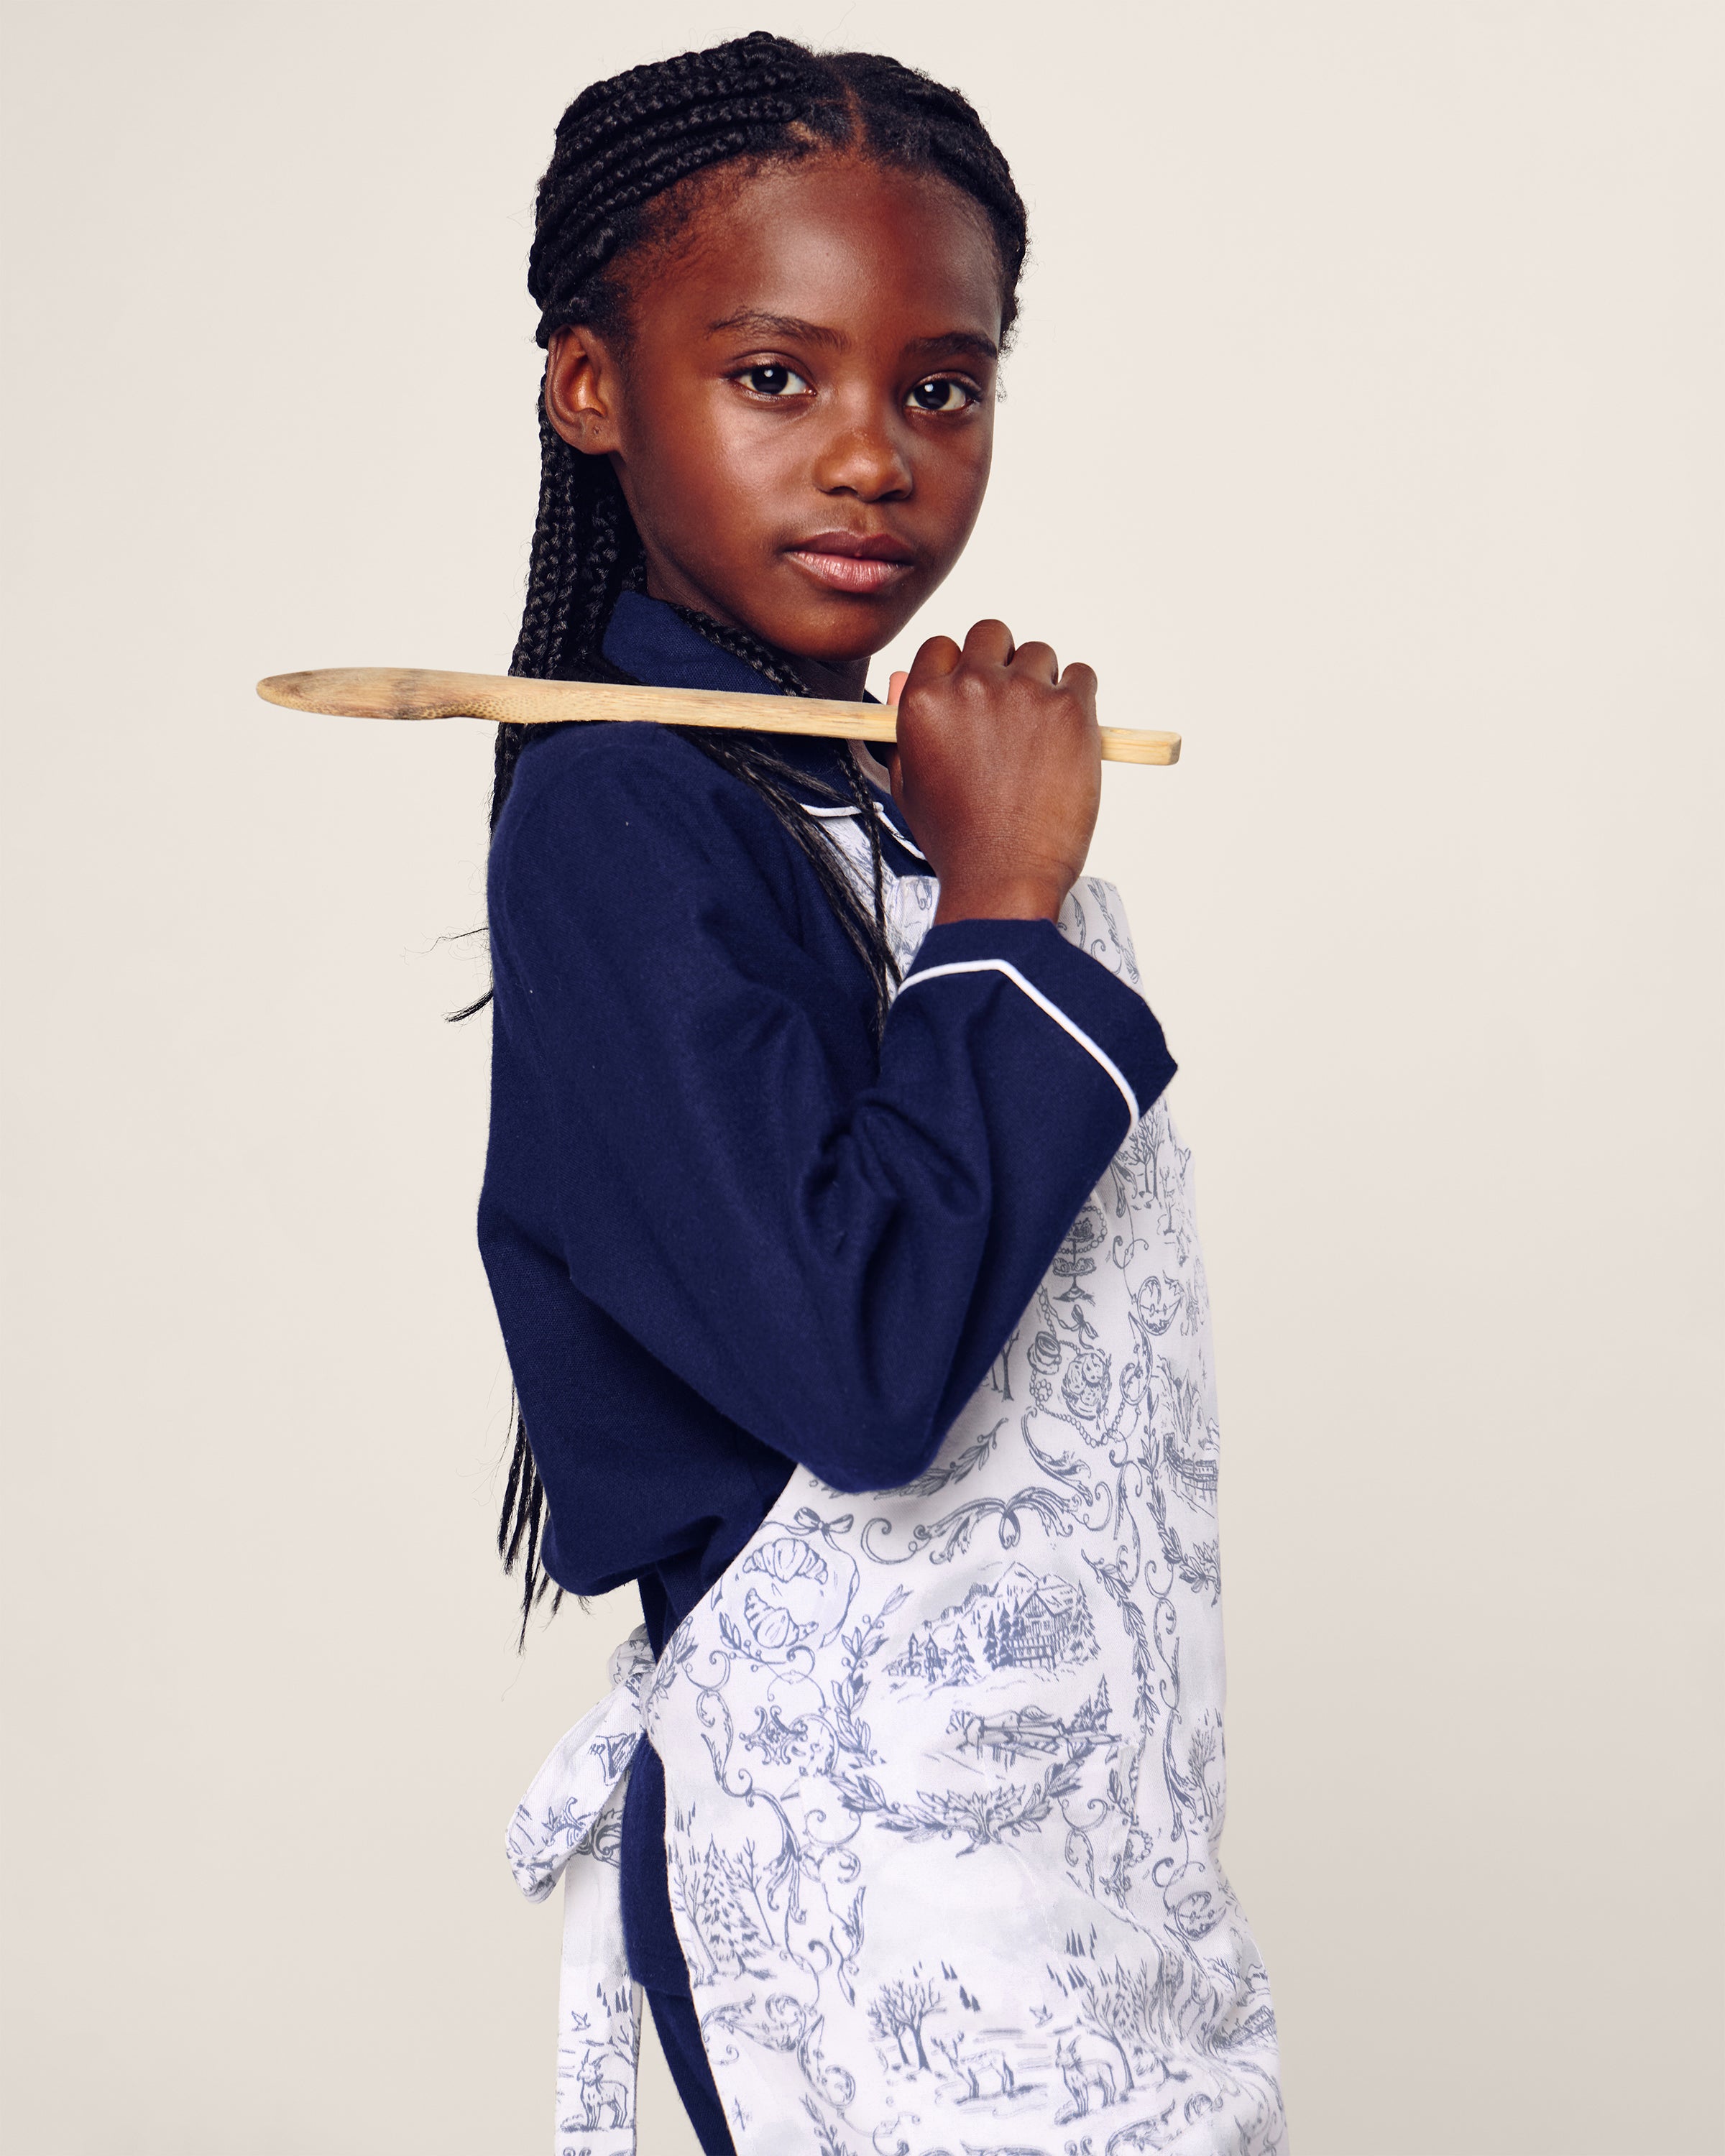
[[999, 770]]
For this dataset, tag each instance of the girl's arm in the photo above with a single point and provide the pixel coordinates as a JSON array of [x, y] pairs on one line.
[[830, 1253]]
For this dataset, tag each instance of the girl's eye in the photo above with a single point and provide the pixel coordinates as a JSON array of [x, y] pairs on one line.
[[772, 380], [941, 393]]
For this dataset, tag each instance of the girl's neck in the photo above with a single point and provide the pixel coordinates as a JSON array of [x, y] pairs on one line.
[[870, 766], [843, 682]]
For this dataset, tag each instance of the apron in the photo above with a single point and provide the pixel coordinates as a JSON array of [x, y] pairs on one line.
[[944, 1767]]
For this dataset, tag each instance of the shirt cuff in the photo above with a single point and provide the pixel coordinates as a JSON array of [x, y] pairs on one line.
[[1109, 1020]]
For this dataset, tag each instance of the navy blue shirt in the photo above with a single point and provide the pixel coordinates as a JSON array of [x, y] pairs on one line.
[[724, 1233]]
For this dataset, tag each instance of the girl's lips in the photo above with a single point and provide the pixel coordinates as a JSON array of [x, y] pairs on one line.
[[860, 561], [849, 572]]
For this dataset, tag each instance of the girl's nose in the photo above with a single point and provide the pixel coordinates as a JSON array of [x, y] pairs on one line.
[[866, 459]]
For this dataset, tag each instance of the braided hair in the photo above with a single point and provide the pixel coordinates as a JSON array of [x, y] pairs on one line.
[[622, 148]]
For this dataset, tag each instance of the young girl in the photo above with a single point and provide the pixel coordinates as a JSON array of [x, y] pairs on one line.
[[842, 1246]]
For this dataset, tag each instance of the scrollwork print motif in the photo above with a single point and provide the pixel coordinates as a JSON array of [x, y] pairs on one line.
[[946, 1764]]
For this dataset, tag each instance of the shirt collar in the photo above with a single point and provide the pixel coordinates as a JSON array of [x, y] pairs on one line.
[[649, 641]]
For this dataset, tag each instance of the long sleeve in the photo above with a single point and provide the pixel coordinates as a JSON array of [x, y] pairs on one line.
[[827, 1249]]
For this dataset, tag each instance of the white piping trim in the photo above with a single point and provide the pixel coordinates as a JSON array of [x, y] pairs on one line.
[[897, 836], [1052, 1010]]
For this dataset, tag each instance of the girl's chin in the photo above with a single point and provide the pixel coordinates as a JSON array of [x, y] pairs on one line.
[[843, 622]]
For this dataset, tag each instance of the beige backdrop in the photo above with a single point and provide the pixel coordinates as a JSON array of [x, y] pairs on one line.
[[1365, 426]]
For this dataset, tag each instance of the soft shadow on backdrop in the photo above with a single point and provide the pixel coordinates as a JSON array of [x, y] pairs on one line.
[[1365, 426]]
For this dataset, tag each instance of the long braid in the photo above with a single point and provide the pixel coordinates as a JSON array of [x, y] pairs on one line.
[[584, 546], [753, 758], [870, 816], [622, 147]]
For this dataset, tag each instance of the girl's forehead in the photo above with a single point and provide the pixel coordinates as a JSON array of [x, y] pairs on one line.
[[828, 236]]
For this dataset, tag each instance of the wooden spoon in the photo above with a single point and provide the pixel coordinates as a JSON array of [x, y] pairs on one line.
[[420, 692]]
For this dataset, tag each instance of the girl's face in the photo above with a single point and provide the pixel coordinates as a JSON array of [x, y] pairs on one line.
[[803, 415]]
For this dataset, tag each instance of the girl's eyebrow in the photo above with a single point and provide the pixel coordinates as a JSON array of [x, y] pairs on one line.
[[968, 340], [792, 328], [779, 326]]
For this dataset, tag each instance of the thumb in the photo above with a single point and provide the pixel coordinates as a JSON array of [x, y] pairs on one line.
[[895, 686]]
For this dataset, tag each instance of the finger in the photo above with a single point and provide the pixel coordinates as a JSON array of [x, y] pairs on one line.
[[934, 659], [989, 644], [1038, 659], [1081, 680], [895, 686]]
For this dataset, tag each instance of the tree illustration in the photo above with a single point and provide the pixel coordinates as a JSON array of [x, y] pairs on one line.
[[716, 1895], [961, 1663], [900, 2010]]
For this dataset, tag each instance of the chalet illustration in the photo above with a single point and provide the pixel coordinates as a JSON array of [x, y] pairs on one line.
[[1020, 1622]]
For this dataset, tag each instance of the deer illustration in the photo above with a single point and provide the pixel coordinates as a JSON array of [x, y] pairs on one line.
[[1095, 2070], [599, 2092]]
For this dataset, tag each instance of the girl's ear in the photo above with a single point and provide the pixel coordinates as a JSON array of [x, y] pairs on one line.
[[581, 385]]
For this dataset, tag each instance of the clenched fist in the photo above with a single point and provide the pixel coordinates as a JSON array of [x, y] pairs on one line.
[[999, 770]]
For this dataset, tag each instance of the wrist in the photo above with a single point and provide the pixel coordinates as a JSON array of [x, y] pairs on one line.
[[1014, 898]]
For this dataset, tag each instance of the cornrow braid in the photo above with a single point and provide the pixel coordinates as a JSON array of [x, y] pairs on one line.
[[622, 147]]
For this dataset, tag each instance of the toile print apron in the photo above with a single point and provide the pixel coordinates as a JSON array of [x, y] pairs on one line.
[[944, 1766]]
